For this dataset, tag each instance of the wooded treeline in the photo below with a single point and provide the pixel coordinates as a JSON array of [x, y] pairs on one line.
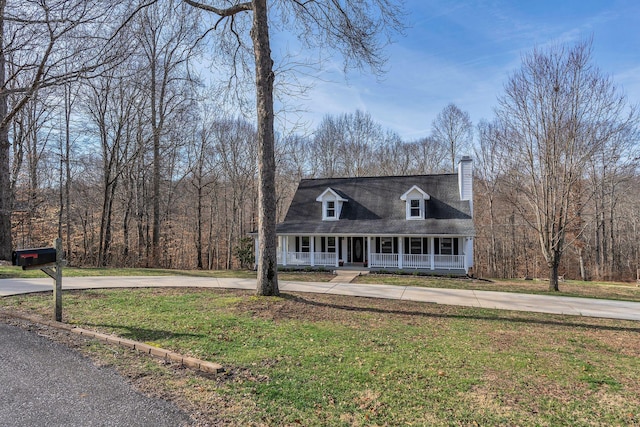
[[208, 193], [140, 165]]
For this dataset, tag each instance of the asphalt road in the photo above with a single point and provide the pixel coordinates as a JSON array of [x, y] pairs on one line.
[[43, 383]]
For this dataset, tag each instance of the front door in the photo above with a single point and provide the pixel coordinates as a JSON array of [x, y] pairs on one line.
[[358, 249]]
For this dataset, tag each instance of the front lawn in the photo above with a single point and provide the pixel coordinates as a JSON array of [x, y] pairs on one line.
[[315, 360]]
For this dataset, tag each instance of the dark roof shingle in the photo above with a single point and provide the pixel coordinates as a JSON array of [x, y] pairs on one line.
[[374, 207]]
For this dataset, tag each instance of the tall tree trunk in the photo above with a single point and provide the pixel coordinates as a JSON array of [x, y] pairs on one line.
[[554, 265], [494, 247], [553, 277], [267, 262], [583, 270], [67, 166], [6, 198], [199, 221], [155, 235]]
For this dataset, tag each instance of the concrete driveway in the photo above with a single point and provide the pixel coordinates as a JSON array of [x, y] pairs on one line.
[[468, 298]]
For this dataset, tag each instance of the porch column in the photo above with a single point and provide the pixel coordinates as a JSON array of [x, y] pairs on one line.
[[312, 249], [337, 250], [432, 252], [369, 251], [468, 253], [462, 242], [400, 251], [285, 249]]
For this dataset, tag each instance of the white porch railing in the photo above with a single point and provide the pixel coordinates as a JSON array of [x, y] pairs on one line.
[[448, 262], [409, 261], [416, 261], [298, 258], [440, 262], [383, 260], [325, 258], [304, 258]]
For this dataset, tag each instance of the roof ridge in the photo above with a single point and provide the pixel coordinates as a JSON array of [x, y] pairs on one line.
[[381, 176]]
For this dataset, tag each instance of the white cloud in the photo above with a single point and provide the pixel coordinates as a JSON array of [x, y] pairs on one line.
[[465, 55]]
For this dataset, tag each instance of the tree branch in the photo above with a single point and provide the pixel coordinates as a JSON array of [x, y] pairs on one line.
[[229, 11]]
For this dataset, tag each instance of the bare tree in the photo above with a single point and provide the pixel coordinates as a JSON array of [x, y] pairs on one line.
[[203, 178], [558, 111], [343, 145], [392, 156], [325, 147], [454, 130], [111, 105], [351, 27], [488, 171], [236, 152], [430, 156], [38, 41], [610, 171], [166, 36], [31, 128]]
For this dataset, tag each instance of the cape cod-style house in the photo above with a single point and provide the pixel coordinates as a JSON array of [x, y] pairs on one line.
[[421, 222]]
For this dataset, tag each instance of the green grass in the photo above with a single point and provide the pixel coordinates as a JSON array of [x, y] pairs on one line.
[[321, 360]]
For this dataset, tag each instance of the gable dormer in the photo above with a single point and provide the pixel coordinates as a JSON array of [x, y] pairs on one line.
[[415, 205], [331, 204]]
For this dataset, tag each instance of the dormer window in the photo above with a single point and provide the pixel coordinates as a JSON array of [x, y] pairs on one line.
[[415, 203], [331, 204], [331, 209], [415, 208]]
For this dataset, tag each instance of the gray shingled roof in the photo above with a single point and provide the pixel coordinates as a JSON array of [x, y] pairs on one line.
[[374, 207]]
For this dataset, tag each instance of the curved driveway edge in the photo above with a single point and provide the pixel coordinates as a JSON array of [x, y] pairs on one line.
[[573, 306]]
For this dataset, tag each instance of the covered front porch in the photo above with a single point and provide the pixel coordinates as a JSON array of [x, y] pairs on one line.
[[452, 254]]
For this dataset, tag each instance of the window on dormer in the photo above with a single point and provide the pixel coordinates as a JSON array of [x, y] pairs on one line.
[[332, 204], [415, 201], [415, 208], [331, 209]]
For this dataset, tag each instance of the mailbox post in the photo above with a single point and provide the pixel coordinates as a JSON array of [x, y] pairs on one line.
[[45, 259]]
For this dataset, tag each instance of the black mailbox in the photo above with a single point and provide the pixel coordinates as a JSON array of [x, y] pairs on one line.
[[35, 256]]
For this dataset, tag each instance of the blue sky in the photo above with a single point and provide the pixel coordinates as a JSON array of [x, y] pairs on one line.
[[463, 52]]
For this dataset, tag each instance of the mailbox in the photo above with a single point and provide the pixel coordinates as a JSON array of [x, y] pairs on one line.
[[33, 257]]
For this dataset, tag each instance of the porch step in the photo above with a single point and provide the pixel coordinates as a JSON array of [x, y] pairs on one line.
[[347, 276]]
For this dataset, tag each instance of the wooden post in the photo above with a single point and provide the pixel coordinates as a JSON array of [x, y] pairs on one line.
[[57, 277], [57, 289]]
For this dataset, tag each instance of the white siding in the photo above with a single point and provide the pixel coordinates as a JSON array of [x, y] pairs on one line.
[[465, 178]]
